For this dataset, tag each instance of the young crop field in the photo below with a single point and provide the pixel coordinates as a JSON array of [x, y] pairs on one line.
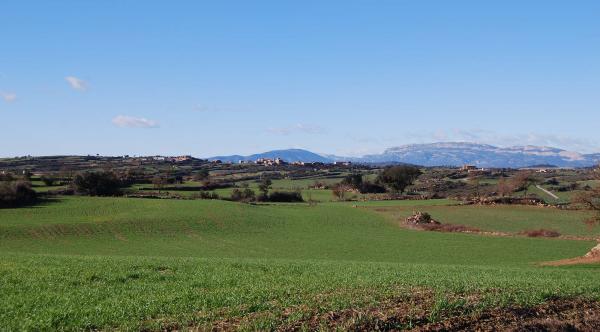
[[104, 263], [502, 218]]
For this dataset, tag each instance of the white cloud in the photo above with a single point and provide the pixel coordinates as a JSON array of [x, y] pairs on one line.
[[297, 128], [125, 121], [77, 83], [8, 97]]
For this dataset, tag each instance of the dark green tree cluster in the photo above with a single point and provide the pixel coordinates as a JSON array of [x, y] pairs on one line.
[[16, 193], [103, 183], [355, 181], [398, 178]]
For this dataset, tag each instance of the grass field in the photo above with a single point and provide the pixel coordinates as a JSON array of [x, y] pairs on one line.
[[503, 218], [321, 195], [86, 263]]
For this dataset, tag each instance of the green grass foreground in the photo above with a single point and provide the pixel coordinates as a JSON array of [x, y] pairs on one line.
[[97, 263]]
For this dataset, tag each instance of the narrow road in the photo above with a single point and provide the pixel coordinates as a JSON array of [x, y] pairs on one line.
[[546, 191]]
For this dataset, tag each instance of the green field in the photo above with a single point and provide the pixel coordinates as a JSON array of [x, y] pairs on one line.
[[321, 195], [97, 263], [503, 218]]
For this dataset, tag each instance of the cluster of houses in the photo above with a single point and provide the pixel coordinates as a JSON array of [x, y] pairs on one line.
[[262, 161], [472, 169], [174, 159], [281, 162]]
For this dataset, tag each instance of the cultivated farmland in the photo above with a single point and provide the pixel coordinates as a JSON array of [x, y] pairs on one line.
[[85, 262]]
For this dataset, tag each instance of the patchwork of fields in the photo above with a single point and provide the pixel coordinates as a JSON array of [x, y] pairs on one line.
[[81, 262]]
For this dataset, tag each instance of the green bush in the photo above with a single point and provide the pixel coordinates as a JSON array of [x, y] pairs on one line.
[[97, 184], [285, 196]]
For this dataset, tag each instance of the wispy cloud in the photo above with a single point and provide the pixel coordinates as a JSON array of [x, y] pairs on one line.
[[8, 97], [125, 121], [297, 128], [77, 83]]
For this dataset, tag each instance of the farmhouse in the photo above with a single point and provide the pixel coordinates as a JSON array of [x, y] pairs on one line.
[[270, 162], [342, 163], [180, 158]]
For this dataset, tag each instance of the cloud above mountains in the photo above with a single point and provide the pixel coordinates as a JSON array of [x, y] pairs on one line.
[[8, 97], [125, 121], [77, 83]]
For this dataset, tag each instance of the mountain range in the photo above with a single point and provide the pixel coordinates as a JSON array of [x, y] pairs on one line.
[[444, 154]]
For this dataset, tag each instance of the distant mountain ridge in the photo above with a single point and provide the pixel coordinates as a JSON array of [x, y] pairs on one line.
[[482, 155], [445, 154], [289, 155]]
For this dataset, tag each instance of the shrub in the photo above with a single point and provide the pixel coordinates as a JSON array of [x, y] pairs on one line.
[[201, 175], [541, 233], [371, 188], [246, 195], [97, 184], [16, 193], [285, 196], [6, 177], [354, 180], [48, 180], [206, 195]]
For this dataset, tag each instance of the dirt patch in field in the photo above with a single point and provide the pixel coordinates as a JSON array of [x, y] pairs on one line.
[[423, 221], [554, 315], [422, 312], [593, 256], [540, 233]]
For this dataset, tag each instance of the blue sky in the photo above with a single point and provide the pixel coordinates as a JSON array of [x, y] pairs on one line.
[[344, 77]]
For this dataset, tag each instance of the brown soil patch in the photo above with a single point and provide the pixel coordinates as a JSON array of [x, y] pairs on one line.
[[554, 315], [593, 256], [540, 233], [422, 313]]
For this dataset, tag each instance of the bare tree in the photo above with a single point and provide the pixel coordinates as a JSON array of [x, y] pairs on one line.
[[159, 182], [523, 180], [475, 182], [505, 187], [590, 199], [340, 190]]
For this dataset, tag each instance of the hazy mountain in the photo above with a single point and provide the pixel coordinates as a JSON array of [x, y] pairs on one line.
[[445, 154], [482, 155], [289, 155]]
